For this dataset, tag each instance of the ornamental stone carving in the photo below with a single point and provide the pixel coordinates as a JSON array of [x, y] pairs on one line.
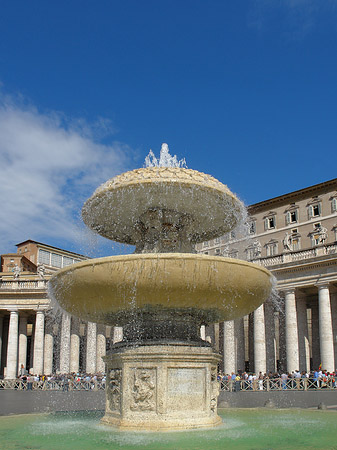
[[114, 389], [214, 389], [143, 390]]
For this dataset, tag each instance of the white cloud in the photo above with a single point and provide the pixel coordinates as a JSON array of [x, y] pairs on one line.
[[295, 18], [48, 166]]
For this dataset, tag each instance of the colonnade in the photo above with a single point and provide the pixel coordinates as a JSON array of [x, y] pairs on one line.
[[49, 337], [297, 334]]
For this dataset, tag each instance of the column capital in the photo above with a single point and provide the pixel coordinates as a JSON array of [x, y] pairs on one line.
[[290, 290], [322, 285]]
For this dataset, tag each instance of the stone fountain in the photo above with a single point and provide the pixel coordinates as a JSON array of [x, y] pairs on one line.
[[162, 376]]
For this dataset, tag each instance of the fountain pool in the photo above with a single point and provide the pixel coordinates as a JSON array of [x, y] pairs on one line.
[[246, 429]]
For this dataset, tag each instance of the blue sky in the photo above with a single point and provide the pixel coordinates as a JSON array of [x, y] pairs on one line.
[[245, 90]]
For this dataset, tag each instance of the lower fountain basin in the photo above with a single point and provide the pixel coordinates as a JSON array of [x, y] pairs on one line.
[[108, 290]]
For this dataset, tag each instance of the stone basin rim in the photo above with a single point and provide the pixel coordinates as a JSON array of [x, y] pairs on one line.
[[159, 256]]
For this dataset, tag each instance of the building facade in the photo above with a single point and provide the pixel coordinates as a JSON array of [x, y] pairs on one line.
[[34, 337], [294, 236]]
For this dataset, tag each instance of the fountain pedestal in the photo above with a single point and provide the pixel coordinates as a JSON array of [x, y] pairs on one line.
[[162, 387]]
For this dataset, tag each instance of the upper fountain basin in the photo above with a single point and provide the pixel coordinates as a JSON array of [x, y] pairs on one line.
[[107, 289], [115, 209]]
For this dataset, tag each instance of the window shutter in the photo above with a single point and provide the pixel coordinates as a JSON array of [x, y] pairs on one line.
[[266, 224], [310, 212], [288, 218]]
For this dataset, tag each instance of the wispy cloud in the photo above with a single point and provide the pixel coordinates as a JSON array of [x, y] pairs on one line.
[[292, 19], [49, 164]]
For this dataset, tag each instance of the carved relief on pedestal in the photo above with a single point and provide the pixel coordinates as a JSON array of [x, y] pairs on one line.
[[143, 395], [214, 389], [114, 389]]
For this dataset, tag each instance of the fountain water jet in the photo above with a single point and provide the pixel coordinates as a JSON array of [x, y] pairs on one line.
[[162, 376]]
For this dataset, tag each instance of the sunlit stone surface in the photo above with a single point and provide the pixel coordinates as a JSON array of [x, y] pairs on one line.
[[162, 375]]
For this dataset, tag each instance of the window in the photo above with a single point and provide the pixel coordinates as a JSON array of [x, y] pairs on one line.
[[67, 261], [206, 244], [334, 204], [319, 235], [291, 242], [334, 229], [314, 208], [232, 235], [252, 227], [56, 260], [272, 248], [217, 251], [250, 253], [44, 257], [270, 222], [296, 243], [233, 253], [216, 241], [253, 251], [292, 216]]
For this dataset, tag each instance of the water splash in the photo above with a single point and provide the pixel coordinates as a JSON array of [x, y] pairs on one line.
[[165, 160]]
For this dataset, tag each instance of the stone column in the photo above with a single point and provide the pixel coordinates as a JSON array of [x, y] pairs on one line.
[[239, 342], [12, 347], [269, 318], [38, 343], [251, 357], [1, 331], [291, 331], [48, 349], [315, 350], [117, 334], [325, 329], [303, 335], [91, 347], [65, 344], [260, 363], [101, 349], [22, 342], [229, 347], [75, 346], [216, 336]]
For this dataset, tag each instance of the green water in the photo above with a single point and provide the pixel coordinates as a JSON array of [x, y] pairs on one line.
[[243, 429]]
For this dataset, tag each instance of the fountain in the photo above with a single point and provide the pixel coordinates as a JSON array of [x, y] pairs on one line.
[[162, 376]]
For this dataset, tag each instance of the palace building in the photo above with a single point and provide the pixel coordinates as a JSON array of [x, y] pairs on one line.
[[294, 236]]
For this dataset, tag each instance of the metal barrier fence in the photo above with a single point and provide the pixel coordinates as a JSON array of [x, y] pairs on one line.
[[268, 384], [58, 385], [277, 384]]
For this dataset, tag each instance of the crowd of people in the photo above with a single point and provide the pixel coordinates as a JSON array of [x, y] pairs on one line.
[[65, 381], [316, 379]]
